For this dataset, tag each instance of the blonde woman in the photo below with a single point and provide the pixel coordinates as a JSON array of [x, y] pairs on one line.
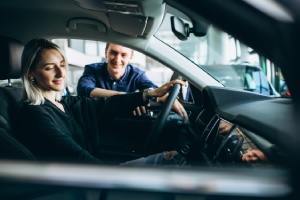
[[67, 128]]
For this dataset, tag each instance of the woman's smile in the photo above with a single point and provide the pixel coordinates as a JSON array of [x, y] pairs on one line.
[[58, 81]]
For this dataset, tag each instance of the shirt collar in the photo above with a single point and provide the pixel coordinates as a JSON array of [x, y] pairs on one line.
[[125, 75]]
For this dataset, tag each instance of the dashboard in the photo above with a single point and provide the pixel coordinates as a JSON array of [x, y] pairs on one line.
[[222, 142], [222, 135]]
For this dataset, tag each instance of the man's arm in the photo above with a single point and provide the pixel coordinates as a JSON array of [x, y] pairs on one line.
[[87, 85], [87, 82], [99, 92]]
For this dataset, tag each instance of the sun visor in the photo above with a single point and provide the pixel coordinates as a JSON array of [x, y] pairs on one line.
[[132, 25], [125, 7]]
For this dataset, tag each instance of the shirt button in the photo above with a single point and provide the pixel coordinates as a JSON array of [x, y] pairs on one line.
[[114, 83]]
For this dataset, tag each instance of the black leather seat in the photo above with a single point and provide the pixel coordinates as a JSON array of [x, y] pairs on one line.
[[10, 98]]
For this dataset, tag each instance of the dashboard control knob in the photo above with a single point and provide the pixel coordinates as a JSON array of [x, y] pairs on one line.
[[185, 149]]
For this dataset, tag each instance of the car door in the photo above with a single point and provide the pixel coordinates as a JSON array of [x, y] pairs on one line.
[[127, 135]]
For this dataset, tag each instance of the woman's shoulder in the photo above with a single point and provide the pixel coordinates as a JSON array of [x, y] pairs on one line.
[[73, 99], [28, 106], [29, 111]]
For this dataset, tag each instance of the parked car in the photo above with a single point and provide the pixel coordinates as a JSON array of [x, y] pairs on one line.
[[224, 123], [284, 90]]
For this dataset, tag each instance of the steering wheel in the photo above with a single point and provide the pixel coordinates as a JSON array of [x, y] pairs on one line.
[[160, 121]]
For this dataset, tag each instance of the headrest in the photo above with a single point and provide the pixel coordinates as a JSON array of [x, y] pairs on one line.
[[10, 58]]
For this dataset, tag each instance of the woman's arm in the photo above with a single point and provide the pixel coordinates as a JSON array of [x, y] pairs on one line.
[[122, 104], [119, 105]]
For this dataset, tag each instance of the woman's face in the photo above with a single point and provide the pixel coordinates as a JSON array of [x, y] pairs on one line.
[[50, 72]]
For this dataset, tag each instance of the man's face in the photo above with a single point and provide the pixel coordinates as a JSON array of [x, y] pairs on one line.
[[118, 58]]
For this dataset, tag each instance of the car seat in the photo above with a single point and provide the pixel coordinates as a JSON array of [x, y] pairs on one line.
[[10, 98]]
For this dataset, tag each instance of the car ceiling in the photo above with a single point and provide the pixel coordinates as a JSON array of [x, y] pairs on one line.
[[82, 19], [278, 40]]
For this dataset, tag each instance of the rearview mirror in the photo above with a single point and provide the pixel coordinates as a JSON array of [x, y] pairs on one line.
[[179, 28], [182, 30]]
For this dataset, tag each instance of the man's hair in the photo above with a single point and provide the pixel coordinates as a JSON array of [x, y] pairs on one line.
[[107, 45], [31, 56]]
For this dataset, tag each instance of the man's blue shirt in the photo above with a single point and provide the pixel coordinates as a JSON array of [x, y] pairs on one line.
[[96, 76]]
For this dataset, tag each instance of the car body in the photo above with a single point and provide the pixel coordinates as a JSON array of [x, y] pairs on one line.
[[269, 32], [284, 90], [243, 76]]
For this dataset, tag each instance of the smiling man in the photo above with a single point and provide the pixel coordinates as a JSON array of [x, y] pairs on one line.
[[117, 76]]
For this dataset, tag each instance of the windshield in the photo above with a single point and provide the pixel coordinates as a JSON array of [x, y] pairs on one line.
[[224, 57]]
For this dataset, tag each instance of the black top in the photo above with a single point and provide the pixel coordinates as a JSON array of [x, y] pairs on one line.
[[73, 135]]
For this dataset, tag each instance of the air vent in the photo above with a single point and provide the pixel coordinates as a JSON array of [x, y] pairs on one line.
[[208, 130]]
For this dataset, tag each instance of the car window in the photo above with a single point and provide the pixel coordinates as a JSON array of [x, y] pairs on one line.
[[225, 58], [82, 52], [13, 82]]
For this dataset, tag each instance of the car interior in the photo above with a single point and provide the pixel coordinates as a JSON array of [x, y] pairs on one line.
[[215, 168]]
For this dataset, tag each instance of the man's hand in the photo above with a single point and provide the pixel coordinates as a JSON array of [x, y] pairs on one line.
[[224, 127], [177, 107], [165, 88], [139, 111], [254, 156], [162, 93]]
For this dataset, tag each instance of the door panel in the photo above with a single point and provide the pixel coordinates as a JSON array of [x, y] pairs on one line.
[[124, 138]]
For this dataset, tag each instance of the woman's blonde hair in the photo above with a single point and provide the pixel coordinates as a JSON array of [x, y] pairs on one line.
[[31, 56]]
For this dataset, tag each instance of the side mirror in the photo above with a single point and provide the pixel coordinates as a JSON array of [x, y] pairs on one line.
[[182, 30]]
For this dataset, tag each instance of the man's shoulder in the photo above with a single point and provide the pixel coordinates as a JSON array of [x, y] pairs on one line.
[[95, 65], [134, 69]]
